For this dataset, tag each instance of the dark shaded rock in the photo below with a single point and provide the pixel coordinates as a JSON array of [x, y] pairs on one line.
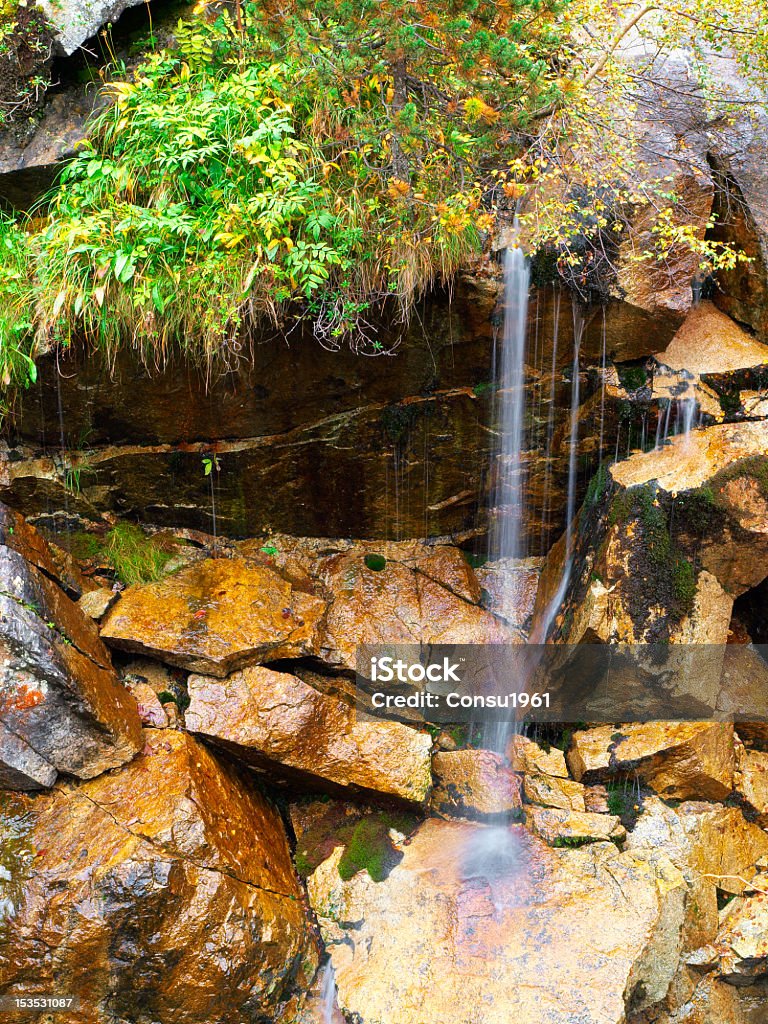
[[29, 163], [326, 444], [62, 707]]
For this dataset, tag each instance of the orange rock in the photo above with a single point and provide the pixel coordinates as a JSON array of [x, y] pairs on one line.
[[277, 722], [164, 890], [397, 604], [493, 920], [752, 782], [714, 846], [527, 756], [474, 783], [679, 760], [215, 617], [710, 342], [549, 791]]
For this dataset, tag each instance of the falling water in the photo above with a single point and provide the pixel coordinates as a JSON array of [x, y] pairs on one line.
[[552, 608], [327, 995], [493, 851], [507, 523]]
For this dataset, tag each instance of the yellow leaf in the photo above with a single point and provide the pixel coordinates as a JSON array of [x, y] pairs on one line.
[[59, 301]]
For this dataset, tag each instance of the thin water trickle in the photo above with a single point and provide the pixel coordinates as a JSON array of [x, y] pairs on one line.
[[493, 852], [328, 1006], [506, 534], [548, 617]]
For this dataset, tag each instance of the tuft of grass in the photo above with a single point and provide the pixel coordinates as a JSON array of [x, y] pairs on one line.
[[225, 169], [135, 557]]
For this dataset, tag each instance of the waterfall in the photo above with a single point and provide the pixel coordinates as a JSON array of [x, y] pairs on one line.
[[327, 995], [552, 608], [506, 533]]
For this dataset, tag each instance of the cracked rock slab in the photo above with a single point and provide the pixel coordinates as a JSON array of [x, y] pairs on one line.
[[399, 603], [679, 760], [278, 723], [215, 617], [163, 891]]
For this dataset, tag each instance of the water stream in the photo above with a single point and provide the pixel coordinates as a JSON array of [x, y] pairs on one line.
[[506, 533]]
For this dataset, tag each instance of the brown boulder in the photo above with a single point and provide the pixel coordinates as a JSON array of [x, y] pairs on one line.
[[276, 722], [397, 604], [448, 932], [679, 760], [163, 891], [548, 791], [215, 617], [566, 827], [474, 783]]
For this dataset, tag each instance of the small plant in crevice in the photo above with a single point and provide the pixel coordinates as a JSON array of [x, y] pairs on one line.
[[632, 378], [624, 800], [369, 849], [211, 470], [374, 562], [181, 699], [134, 556], [572, 842]]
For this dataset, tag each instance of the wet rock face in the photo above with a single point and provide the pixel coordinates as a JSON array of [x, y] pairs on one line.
[[679, 760], [183, 905], [62, 707], [474, 784], [328, 444], [397, 603], [215, 617], [720, 473], [284, 727], [511, 941], [664, 542]]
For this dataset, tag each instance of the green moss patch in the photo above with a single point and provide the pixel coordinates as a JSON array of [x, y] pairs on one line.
[[659, 568], [364, 834]]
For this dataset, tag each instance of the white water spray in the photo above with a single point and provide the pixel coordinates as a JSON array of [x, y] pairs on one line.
[[327, 995]]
